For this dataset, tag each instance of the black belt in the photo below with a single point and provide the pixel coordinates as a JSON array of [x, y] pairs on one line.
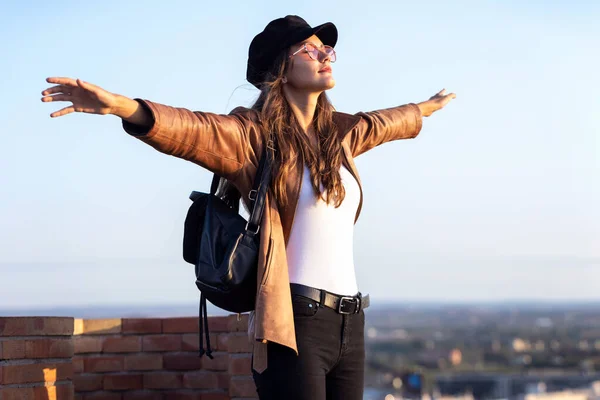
[[342, 304]]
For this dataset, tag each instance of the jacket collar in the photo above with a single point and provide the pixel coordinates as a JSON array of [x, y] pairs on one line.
[[344, 122]]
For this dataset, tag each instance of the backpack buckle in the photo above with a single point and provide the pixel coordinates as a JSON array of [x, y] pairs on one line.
[[252, 196], [251, 231]]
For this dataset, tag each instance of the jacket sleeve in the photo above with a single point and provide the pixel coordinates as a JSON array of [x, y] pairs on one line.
[[219, 143], [381, 126]]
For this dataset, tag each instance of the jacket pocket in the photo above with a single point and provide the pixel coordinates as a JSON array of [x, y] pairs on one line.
[[268, 262]]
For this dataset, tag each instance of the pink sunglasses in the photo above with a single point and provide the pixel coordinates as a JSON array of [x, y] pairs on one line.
[[316, 53]]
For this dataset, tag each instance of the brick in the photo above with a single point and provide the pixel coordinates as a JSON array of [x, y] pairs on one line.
[[163, 380], [142, 395], [87, 344], [183, 395], [161, 343], [201, 380], [49, 348], [219, 363], [16, 393], [143, 362], [182, 361], [216, 396], [36, 373], [141, 325], [13, 349], [88, 382], [78, 365], [102, 396], [36, 326], [180, 325], [240, 364], [242, 386], [122, 344], [243, 398], [59, 392], [103, 364], [58, 326], [223, 380], [123, 382], [189, 341], [237, 326], [77, 326], [98, 326], [218, 323], [236, 342]]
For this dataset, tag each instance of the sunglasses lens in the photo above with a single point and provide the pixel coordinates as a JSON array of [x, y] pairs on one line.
[[312, 51], [330, 53]]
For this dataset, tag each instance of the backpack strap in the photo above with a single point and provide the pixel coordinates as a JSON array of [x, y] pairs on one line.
[[260, 186], [214, 185], [258, 194]]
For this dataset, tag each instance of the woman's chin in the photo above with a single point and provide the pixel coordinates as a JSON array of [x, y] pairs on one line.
[[328, 83], [325, 83]]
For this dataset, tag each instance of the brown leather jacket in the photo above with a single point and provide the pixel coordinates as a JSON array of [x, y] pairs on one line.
[[230, 145]]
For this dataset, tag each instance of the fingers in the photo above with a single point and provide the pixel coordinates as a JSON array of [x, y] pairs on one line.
[[56, 89], [62, 80], [441, 95], [87, 86], [64, 111], [446, 99], [67, 87], [58, 97]]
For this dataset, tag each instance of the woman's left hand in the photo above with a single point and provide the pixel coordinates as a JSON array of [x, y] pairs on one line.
[[436, 102]]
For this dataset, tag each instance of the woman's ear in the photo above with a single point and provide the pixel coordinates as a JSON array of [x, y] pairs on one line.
[[284, 79]]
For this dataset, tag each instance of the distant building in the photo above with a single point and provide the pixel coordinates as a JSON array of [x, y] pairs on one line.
[[520, 345], [539, 345], [496, 345], [483, 386], [455, 357]]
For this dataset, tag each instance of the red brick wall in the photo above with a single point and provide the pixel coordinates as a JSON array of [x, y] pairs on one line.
[[35, 358], [124, 359]]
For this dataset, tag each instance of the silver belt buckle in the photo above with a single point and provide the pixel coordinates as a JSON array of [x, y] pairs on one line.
[[342, 302]]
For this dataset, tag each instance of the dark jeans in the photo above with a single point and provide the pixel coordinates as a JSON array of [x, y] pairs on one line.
[[331, 360]]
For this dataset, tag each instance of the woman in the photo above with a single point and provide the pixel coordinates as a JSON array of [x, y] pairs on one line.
[[308, 324]]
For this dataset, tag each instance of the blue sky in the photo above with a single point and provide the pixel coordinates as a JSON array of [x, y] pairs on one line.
[[497, 199]]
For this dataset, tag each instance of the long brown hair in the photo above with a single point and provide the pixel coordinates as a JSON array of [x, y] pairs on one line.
[[277, 117], [292, 142]]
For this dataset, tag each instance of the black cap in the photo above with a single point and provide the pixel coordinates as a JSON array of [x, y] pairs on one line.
[[278, 35]]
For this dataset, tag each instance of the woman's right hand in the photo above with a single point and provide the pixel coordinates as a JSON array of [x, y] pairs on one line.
[[86, 97]]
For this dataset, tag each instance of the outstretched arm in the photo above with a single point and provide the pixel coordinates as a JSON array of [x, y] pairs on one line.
[[402, 122], [219, 143]]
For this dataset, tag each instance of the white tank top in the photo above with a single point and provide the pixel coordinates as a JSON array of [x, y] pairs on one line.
[[320, 247]]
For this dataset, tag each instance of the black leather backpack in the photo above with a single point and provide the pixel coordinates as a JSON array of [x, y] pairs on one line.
[[223, 246]]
